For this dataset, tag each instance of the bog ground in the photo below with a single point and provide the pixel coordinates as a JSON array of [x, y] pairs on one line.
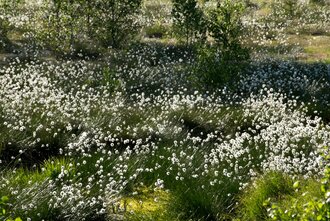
[[164, 110]]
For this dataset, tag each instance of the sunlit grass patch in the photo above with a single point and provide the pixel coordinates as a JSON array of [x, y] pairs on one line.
[[32, 188], [313, 48], [320, 50], [148, 204], [280, 189], [273, 185]]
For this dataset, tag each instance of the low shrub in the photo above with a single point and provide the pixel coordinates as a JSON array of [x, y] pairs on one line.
[[222, 62], [315, 208]]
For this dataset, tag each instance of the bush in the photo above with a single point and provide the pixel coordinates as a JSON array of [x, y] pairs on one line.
[[4, 213], [3, 34], [5, 9], [316, 209], [189, 20], [284, 10], [290, 7], [71, 25], [115, 22], [223, 62], [60, 30], [156, 31]]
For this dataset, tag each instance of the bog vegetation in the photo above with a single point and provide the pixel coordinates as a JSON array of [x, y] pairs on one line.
[[201, 110]]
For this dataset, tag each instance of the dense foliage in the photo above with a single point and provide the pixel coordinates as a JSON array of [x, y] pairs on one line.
[[189, 19]]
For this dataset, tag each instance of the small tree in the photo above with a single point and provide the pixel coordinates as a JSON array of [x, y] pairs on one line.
[[7, 8], [115, 21], [225, 25], [3, 32], [62, 25], [224, 61], [189, 19], [290, 7], [71, 25], [283, 10]]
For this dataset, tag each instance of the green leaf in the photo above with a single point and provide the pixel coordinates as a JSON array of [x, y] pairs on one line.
[[18, 219], [296, 184], [320, 205], [319, 217], [323, 188], [4, 198], [3, 211]]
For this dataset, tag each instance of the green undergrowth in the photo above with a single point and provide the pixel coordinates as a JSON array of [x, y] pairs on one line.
[[35, 186], [150, 205], [254, 203], [273, 185], [276, 196]]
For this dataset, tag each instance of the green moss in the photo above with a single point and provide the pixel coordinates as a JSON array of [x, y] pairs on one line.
[[148, 204]]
